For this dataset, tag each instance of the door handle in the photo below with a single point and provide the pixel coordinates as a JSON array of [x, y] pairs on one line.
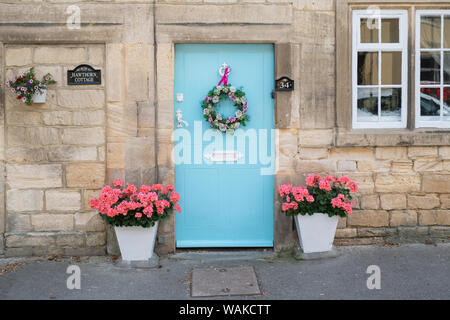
[[180, 120]]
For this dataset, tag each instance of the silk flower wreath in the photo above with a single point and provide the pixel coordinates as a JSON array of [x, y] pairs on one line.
[[223, 91]]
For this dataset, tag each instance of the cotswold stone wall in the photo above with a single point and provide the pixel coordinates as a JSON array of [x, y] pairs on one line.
[[54, 155]]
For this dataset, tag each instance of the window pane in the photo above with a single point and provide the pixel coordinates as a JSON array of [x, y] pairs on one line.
[[446, 106], [391, 104], [446, 67], [389, 31], [430, 103], [430, 65], [367, 104], [369, 31], [430, 32], [367, 68], [447, 32], [391, 68]]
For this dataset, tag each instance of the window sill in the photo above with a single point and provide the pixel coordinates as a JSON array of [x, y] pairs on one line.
[[392, 137]]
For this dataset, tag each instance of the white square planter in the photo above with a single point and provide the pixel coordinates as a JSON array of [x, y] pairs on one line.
[[316, 232], [40, 97], [136, 243]]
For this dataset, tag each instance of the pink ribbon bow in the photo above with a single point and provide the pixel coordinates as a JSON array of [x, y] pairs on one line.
[[224, 79]]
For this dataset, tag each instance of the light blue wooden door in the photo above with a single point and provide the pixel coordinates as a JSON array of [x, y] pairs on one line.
[[228, 203]]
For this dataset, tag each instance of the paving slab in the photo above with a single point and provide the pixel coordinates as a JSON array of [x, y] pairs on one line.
[[233, 281]]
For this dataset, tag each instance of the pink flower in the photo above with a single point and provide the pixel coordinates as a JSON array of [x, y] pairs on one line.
[[138, 215], [324, 185], [117, 183], [157, 187], [93, 203], [310, 198], [344, 180], [353, 186], [313, 179], [178, 208], [284, 189], [174, 197], [145, 188]]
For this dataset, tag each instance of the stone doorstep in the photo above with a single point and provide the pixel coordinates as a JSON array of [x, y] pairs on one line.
[[223, 255]]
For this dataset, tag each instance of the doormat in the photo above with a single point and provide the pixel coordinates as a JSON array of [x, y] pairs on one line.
[[234, 281]]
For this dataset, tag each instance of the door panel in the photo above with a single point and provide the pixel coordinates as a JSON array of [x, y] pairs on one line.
[[225, 204]]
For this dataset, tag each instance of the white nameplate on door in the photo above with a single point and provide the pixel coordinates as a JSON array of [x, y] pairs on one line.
[[227, 156]]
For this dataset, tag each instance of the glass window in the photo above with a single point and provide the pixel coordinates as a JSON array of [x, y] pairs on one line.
[[433, 69], [380, 69]]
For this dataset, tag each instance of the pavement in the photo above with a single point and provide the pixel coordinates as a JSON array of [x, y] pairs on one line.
[[406, 272]]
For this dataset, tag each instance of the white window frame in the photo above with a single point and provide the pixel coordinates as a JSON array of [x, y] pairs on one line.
[[419, 122], [402, 46]]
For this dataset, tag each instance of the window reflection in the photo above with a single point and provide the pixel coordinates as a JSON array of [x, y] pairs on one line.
[[367, 68], [430, 103], [367, 104], [389, 31], [369, 31], [391, 104], [391, 68], [430, 68], [430, 32]]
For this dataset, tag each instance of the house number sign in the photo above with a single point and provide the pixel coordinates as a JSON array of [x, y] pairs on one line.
[[83, 75], [284, 84]]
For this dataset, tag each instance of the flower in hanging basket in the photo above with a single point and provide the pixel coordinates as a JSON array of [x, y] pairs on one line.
[[25, 85], [330, 195], [129, 206]]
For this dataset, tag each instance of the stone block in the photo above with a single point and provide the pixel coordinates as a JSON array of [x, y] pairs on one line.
[[15, 56], [73, 239], [346, 233], [434, 217], [89, 221], [62, 200], [439, 183], [355, 153], [59, 55], [52, 222], [346, 165], [89, 118], [391, 201], [140, 153], [370, 202], [422, 152], [25, 176], [397, 182], [425, 201], [30, 239], [72, 153], [315, 138], [85, 175], [95, 239], [24, 200], [57, 118], [79, 99], [368, 218], [391, 153], [32, 136], [86, 136], [313, 153], [403, 218], [402, 166], [18, 222]]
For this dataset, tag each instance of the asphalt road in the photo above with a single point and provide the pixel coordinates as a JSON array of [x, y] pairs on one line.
[[407, 272]]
